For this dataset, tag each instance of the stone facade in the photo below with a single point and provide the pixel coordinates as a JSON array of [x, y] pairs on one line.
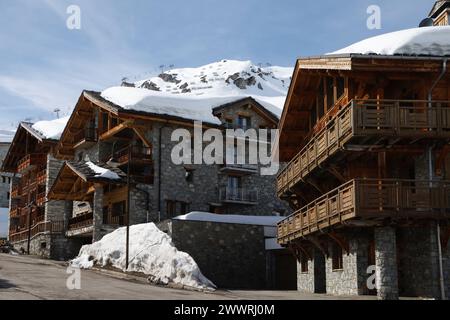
[[386, 263], [233, 256]]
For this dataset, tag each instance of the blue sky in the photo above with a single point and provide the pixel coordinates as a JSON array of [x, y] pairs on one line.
[[44, 65]]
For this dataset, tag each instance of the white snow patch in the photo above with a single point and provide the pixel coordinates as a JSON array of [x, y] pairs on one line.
[[433, 41], [51, 129], [102, 172], [151, 253], [207, 87], [230, 218]]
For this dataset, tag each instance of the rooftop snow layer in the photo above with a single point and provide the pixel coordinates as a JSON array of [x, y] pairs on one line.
[[192, 93], [151, 253], [236, 219], [432, 41], [102, 172], [51, 129]]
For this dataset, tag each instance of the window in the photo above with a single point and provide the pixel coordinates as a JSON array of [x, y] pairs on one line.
[[304, 263], [337, 257], [171, 208], [184, 207], [244, 122], [8, 195], [190, 176], [228, 123], [3, 179]]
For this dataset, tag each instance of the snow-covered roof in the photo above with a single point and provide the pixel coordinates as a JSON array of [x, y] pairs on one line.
[[192, 93], [430, 41], [229, 218], [102, 172], [52, 129]]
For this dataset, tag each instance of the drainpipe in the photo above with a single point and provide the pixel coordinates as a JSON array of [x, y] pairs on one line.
[[431, 175]]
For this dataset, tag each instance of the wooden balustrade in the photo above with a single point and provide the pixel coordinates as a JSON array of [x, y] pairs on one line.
[[86, 135], [391, 118], [30, 161], [16, 234], [136, 153], [82, 221], [41, 199], [41, 177], [368, 199]]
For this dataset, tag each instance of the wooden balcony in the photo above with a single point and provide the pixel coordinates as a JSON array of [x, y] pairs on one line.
[[82, 221], [85, 136], [363, 124], [21, 234], [41, 199], [238, 196], [133, 154], [41, 177], [368, 200], [30, 162], [16, 191]]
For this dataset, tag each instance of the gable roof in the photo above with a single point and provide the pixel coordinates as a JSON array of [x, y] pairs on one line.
[[438, 7]]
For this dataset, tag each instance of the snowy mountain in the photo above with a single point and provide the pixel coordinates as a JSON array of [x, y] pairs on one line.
[[191, 93]]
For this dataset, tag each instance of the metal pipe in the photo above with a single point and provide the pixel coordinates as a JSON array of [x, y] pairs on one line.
[[431, 176]]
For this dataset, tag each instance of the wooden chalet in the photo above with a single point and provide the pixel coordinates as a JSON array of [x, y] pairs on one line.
[[29, 160], [366, 138]]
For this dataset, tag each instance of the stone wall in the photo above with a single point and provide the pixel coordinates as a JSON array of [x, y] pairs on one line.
[[312, 281], [230, 255], [418, 261], [351, 279], [54, 210]]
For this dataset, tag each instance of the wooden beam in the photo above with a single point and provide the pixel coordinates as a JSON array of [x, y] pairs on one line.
[[110, 133], [341, 241], [142, 136]]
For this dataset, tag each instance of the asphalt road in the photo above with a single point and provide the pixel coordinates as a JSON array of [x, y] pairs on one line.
[[28, 278]]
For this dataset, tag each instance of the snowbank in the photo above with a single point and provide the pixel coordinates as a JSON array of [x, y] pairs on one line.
[[433, 41], [229, 218], [192, 93], [102, 172], [51, 129], [151, 253]]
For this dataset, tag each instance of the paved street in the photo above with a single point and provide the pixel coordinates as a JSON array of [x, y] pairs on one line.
[[31, 278]]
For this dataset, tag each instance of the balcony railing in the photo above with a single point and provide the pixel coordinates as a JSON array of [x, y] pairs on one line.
[[30, 161], [82, 221], [39, 228], [136, 154], [41, 177], [240, 168], [378, 118], [86, 135], [371, 199], [238, 195], [16, 191], [41, 199]]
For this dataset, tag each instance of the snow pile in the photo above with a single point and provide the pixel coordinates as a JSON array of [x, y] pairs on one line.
[[102, 172], [51, 129], [432, 41], [229, 218], [192, 93], [151, 253]]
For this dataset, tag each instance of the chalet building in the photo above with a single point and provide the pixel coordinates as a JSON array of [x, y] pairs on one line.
[[367, 141], [35, 224], [440, 13], [109, 148]]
